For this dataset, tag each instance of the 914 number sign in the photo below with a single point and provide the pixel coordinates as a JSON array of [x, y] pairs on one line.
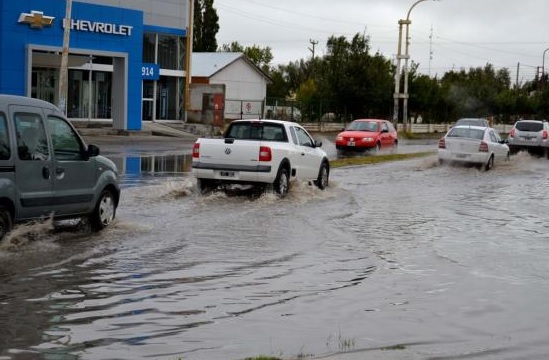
[[150, 71]]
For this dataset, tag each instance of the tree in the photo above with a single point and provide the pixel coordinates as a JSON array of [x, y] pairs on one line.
[[205, 27], [260, 57]]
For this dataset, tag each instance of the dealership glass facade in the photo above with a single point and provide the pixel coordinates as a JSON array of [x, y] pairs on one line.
[[111, 43], [164, 97]]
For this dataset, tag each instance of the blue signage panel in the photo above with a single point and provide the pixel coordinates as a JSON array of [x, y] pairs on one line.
[[150, 71]]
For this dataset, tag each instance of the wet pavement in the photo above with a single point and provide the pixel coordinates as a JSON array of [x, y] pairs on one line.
[[403, 260]]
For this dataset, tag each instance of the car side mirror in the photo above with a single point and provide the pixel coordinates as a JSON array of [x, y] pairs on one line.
[[318, 143], [93, 150], [384, 131]]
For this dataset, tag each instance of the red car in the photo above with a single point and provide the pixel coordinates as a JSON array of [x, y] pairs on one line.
[[367, 134]]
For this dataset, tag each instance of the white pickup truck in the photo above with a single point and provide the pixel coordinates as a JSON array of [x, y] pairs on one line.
[[260, 152]]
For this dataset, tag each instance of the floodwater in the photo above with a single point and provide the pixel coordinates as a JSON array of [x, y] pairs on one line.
[[405, 258]]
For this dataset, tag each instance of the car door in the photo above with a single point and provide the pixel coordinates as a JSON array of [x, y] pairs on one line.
[[500, 150], [307, 160], [74, 172], [33, 163], [386, 139]]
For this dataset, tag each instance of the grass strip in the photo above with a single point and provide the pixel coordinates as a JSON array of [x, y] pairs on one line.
[[367, 160]]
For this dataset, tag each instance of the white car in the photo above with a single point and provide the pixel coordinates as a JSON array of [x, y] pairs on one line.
[[478, 145]]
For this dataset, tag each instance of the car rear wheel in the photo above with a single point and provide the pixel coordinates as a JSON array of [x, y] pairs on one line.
[[282, 182], [104, 212], [489, 164], [323, 176], [204, 186], [6, 222]]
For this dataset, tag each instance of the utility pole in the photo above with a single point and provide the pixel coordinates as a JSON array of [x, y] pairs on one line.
[[64, 71], [430, 50], [188, 56], [312, 49]]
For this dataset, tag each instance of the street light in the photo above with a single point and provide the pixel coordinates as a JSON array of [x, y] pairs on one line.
[[543, 64], [404, 95]]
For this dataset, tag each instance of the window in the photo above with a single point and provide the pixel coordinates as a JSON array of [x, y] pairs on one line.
[[467, 133], [303, 138], [529, 126], [32, 143], [257, 131], [171, 52], [5, 152], [66, 144]]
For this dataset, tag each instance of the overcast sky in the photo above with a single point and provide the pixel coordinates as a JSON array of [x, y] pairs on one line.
[[465, 33]]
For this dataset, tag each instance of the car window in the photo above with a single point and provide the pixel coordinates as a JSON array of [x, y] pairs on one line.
[[384, 127], [5, 152], [529, 126], [303, 138], [257, 131], [493, 137], [294, 136], [66, 143], [32, 143], [466, 133], [363, 126]]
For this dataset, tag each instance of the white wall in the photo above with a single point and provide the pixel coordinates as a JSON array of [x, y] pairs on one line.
[[242, 82]]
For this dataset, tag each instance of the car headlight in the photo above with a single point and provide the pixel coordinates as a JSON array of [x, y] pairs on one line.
[[367, 139]]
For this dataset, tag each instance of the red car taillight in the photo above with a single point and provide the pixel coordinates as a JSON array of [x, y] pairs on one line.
[[544, 134], [265, 153], [442, 144], [196, 150], [512, 134], [483, 147]]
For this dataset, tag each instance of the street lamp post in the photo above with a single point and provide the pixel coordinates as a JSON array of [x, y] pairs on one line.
[[404, 95], [543, 64]]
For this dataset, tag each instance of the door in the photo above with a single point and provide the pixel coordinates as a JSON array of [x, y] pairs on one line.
[[307, 161], [73, 172], [33, 177]]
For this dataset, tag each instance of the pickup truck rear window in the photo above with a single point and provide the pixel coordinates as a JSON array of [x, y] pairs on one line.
[[257, 131]]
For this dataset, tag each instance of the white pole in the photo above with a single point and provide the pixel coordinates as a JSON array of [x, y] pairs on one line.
[[63, 71], [188, 57]]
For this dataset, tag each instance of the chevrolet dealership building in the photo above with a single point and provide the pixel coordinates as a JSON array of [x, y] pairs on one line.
[[126, 57]]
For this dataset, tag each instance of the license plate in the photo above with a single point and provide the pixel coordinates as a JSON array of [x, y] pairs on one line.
[[351, 143], [226, 174], [461, 156]]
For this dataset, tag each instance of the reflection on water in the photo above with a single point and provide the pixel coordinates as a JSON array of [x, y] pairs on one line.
[[140, 169]]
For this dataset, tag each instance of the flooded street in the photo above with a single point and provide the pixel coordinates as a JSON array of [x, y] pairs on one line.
[[405, 259]]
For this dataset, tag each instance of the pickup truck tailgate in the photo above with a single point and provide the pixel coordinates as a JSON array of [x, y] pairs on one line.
[[233, 153]]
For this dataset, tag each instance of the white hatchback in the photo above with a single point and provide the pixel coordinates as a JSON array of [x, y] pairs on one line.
[[477, 145]]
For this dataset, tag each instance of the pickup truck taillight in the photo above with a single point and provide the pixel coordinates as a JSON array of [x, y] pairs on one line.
[[196, 150], [264, 153]]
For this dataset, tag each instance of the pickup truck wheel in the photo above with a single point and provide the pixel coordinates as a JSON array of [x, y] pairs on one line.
[[5, 222], [104, 212], [282, 182], [323, 176], [204, 186]]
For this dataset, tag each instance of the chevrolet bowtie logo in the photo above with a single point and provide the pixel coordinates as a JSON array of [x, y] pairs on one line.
[[36, 19]]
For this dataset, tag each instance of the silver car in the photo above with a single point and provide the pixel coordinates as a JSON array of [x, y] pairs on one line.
[[476, 145], [46, 168], [529, 135]]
